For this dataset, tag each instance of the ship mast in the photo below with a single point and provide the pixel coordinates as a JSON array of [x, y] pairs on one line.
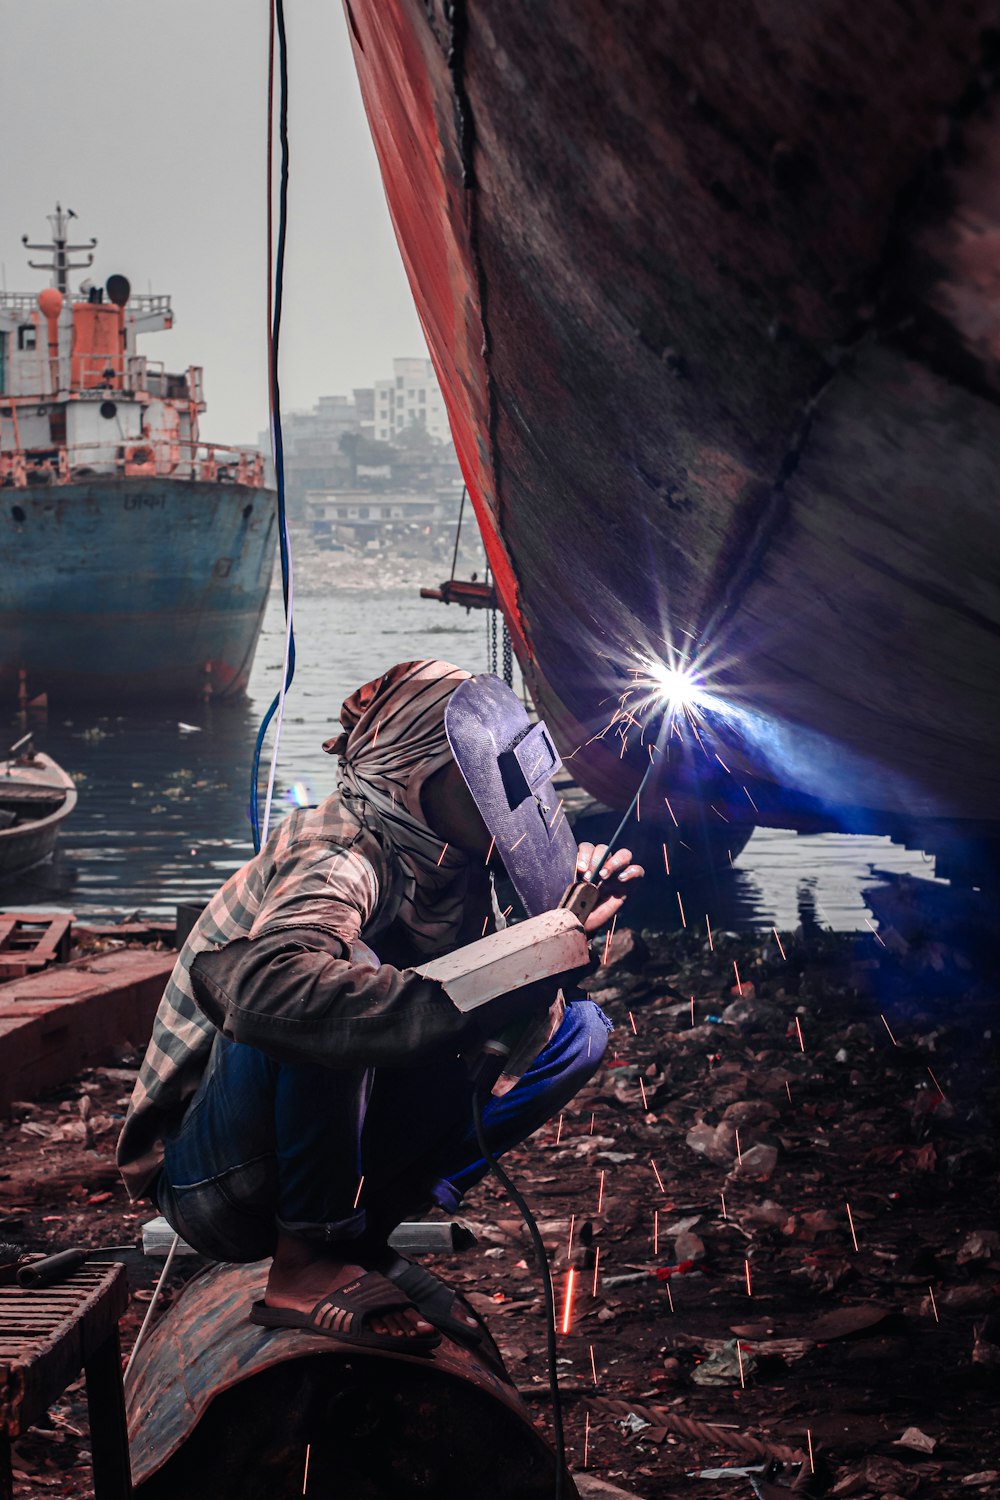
[[60, 265]]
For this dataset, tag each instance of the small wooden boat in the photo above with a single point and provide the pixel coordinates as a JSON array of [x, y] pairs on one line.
[[36, 795]]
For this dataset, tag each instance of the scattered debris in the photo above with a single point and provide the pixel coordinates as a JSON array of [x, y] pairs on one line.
[[866, 1374]]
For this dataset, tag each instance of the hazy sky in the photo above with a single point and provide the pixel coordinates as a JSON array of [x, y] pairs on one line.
[[148, 118]]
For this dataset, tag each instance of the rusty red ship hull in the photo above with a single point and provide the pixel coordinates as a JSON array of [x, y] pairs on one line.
[[712, 295]]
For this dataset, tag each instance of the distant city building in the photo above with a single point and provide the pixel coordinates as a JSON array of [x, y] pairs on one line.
[[393, 436], [400, 522], [411, 396]]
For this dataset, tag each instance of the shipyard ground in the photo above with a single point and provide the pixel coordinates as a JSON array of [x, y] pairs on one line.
[[826, 1281]]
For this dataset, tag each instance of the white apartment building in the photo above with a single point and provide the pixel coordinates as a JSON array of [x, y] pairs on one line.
[[412, 395]]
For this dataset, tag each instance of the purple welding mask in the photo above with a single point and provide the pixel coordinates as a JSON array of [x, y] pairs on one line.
[[508, 764]]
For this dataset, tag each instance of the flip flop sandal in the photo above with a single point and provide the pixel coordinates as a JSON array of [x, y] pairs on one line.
[[443, 1306], [345, 1314]]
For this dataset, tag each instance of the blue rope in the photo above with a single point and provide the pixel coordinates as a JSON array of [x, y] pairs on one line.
[[279, 450]]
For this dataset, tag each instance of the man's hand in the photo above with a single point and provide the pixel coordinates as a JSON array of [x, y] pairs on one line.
[[612, 876]]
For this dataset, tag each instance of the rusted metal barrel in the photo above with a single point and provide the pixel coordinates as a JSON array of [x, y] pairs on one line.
[[220, 1409]]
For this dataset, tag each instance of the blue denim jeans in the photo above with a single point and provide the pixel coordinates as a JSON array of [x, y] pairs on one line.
[[267, 1145]]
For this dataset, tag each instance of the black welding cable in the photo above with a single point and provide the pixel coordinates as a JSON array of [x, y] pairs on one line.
[[277, 16], [548, 1295]]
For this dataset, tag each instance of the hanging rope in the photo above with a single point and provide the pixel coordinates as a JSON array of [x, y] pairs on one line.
[[458, 533]]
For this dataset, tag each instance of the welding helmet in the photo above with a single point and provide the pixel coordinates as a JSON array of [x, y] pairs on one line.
[[508, 763]]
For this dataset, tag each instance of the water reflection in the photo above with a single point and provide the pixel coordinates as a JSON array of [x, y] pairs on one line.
[[162, 815]]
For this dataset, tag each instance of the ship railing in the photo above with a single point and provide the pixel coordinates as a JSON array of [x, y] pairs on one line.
[[19, 302], [172, 458], [139, 302], [35, 376]]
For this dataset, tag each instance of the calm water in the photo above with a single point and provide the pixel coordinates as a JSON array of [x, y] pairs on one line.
[[162, 812]]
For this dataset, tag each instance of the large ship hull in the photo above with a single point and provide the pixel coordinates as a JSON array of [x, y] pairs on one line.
[[712, 297], [133, 589]]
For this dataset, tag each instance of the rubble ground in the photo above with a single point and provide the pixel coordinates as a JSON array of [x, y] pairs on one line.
[[778, 1196]]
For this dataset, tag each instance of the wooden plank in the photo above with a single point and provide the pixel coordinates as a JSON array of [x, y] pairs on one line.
[[73, 1322]]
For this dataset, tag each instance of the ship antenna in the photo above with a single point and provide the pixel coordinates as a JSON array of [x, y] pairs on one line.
[[60, 249]]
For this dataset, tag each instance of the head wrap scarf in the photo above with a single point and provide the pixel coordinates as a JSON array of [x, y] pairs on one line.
[[393, 740]]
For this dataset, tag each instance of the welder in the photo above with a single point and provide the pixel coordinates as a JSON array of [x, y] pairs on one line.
[[306, 1088]]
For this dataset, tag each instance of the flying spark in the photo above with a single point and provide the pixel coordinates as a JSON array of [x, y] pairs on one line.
[[933, 1305], [739, 1358], [936, 1084], [739, 982], [692, 1010], [559, 1130], [656, 1231], [593, 1117], [593, 1364], [597, 1263], [357, 1195], [850, 1220], [723, 1197], [569, 1242], [305, 1471], [631, 1018], [798, 1028], [746, 1273], [885, 1023], [659, 1179], [751, 801], [671, 812], [642, 1090], [722, 763], [778, 941], [874, 932], [739, 1153], [680, 903], [607, 940], [670, 1297], [486, 923], [568, 1303], [708, 929], [519, 841], [489, 852], [600, 1194], [666, 859], [586, 1436], [441, 856], [809, 1444]]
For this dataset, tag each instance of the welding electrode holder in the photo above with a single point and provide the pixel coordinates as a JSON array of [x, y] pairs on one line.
[[50, 1269], [47, 1270], [580, 898]]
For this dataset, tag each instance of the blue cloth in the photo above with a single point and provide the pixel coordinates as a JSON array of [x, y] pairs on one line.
[[267, 1145]]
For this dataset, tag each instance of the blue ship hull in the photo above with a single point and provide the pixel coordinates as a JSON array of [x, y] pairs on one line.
[[133, 589]]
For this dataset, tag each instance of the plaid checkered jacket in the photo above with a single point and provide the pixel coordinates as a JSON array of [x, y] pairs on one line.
[[320, 868]]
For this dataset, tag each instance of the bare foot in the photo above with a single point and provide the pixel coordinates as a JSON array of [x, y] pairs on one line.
[[302, 1273]]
